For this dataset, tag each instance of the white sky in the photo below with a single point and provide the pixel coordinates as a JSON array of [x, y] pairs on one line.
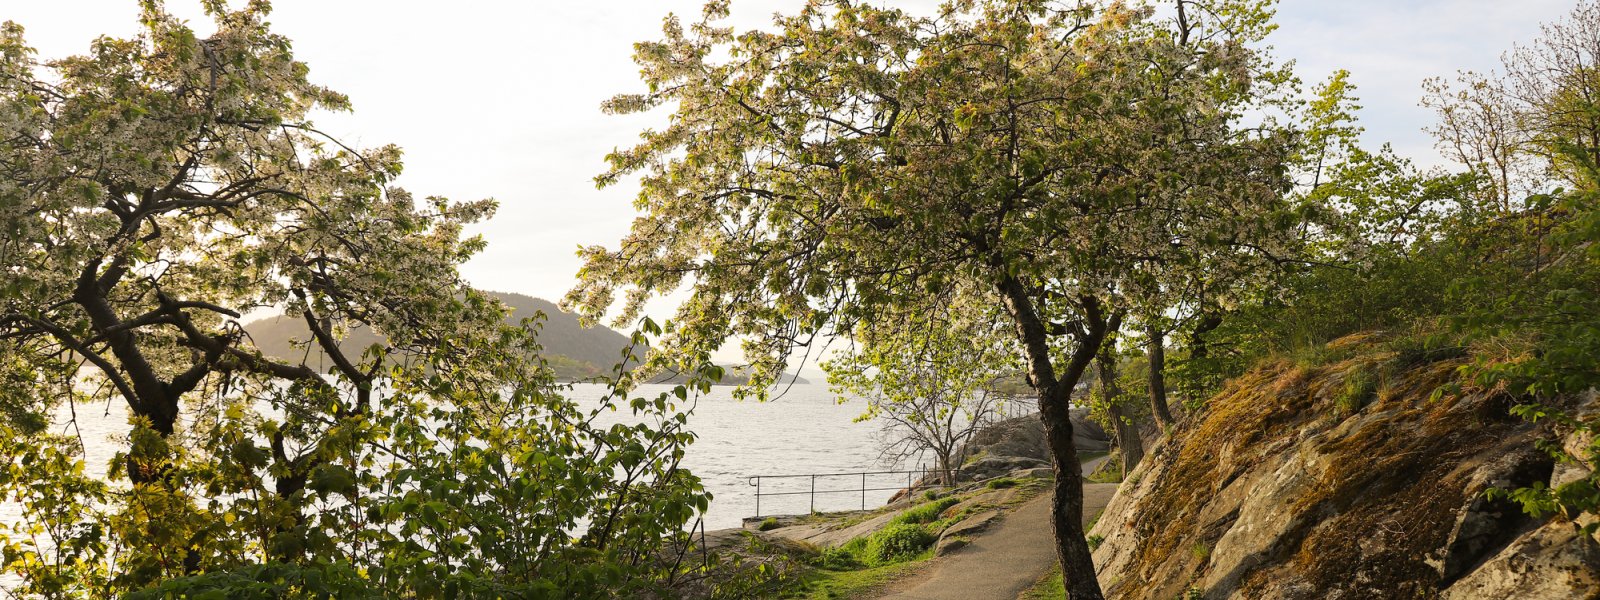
[[501, 98]]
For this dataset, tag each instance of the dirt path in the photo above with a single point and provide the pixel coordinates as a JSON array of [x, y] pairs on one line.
[[1005, 560]]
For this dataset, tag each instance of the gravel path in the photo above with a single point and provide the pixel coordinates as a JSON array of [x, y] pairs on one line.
[[1005, 560]]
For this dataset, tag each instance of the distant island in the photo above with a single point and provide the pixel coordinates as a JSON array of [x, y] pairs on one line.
[[573, 351]]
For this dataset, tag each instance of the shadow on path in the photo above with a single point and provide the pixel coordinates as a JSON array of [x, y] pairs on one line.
[[1005, 560]]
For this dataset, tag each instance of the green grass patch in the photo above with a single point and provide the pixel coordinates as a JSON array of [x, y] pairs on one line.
[[1001, 482], [1360, 387], [927, 512], [1048, 587], [826, 584], [1110, 473], [768, 524]]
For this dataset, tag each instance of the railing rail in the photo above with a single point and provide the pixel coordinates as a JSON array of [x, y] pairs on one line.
[[812, 491]]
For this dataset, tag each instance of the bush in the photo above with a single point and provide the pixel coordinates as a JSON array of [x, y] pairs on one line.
[[925, 513], [897, 542]]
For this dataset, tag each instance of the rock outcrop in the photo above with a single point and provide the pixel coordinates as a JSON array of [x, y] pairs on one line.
[[1024, 437], [1360, 478]]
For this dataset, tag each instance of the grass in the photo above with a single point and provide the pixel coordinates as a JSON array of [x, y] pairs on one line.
[[827, 584], [864, 565], [768, 524], [1001, 482], [927, 512], [1048, 587], [1111, 473], [1360, 387]]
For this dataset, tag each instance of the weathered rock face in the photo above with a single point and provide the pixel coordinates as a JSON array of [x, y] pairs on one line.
[[1293, 483], [1024, 436]]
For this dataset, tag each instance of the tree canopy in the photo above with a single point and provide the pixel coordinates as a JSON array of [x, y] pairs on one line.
[[822, 177], [156, 191]]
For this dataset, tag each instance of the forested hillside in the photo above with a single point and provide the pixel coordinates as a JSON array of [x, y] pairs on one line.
[[573, 350]]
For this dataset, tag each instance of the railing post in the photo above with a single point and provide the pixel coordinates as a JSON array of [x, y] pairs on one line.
[[813, 493], [863, 491], [758, 496]]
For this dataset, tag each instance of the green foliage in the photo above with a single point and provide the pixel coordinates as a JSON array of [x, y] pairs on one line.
[[768, 524], [897, 542], [1019, 172], [162, 187], [1095, 540], [925, 513]]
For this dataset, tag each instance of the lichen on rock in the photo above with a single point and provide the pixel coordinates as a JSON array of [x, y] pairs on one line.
[[1295, 491]]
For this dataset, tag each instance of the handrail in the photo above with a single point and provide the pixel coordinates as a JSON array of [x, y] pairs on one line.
[[755, 481]]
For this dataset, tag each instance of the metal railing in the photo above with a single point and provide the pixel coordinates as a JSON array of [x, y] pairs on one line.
[[812, 491]]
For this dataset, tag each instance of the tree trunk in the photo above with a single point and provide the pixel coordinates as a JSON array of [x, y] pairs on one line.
[[1055, 394], [1128, 441], [1066, 505], [1156, 353]]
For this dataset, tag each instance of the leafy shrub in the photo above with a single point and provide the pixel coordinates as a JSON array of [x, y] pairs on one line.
[[1421, 349], [925, 513], [1095, 541], [897, 542]]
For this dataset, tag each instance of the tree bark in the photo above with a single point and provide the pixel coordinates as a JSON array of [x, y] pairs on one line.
[[1128, 440], [1055, 394], [1156, 353]]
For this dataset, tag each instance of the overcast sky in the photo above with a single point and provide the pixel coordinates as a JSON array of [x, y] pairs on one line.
[[501, 98]]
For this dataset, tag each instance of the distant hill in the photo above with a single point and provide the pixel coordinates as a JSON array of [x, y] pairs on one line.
[[574, 351]]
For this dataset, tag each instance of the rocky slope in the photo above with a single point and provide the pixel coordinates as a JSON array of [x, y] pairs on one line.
[[1359, 477]]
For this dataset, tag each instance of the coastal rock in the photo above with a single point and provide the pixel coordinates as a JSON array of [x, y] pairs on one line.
[[1275, 491], [1024, 436], [1554, 562], [959, 535], [995, 466], [1039, 472], [836, 531]]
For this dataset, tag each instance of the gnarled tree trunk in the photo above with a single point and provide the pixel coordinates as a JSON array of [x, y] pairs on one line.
[[1156, 355], [1127, 433], [1055, 394]]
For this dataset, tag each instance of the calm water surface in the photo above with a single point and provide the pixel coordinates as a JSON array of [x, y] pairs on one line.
[[802, 431]]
